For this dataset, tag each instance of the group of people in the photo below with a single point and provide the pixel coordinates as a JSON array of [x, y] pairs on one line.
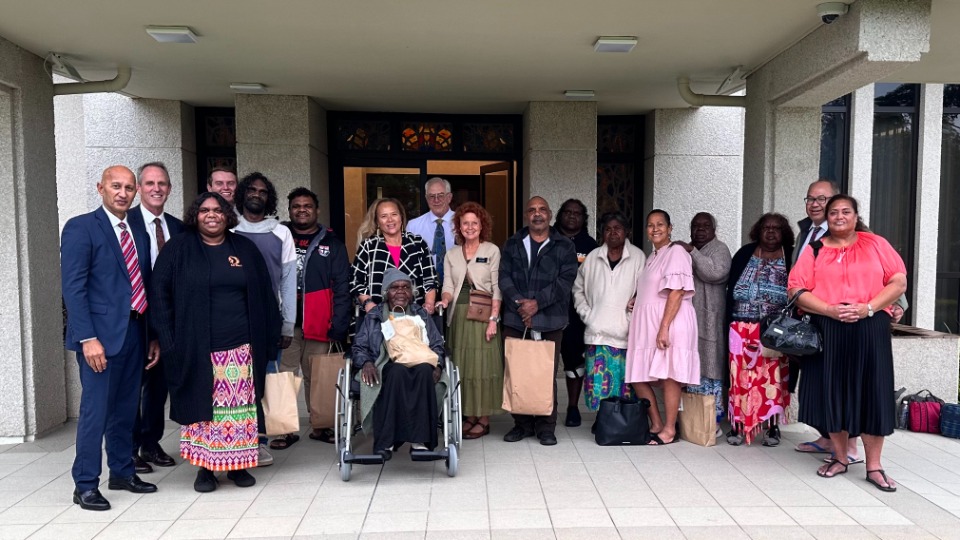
[[202, 309]]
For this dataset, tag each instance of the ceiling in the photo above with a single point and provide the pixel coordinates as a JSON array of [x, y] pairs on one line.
[[432, 56]]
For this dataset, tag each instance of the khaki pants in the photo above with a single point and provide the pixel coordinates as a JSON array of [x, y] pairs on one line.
[[297, 355]]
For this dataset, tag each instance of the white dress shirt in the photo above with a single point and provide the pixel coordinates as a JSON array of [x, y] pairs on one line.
[[819, 231], [115, 225], [426, 227], [148, 218]]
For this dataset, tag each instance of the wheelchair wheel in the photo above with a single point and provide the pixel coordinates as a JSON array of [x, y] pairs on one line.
[[453, 461], [345, 467]]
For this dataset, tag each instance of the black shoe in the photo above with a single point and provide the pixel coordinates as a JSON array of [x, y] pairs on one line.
[[132, 483], [573, 417], [158, 457], [91, 500], [386, 453], [517, 434], [547, 438], [140, 466], [205, 482], [242, 478]]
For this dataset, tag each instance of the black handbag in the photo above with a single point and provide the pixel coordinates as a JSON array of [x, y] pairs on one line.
[[794, 337], [622, 422]]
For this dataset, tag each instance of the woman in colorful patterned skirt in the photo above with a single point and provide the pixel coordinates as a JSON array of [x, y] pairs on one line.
[[217, 319], [757, 287], [603, 297]]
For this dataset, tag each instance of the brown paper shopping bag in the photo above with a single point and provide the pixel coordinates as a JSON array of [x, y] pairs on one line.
[[324, 369], [528, 376], [406, 347], [280, 403], [698, 419]]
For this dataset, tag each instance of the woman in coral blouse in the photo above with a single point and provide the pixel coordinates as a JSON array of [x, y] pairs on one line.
[[852, 280]]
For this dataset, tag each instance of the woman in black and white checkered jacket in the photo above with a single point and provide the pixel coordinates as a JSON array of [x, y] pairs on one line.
[[384, 244]]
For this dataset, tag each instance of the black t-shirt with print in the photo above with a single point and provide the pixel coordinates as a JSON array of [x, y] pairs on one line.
[[301, 242], [229, 327]]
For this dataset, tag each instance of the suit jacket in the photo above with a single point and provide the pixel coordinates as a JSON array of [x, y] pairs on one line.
[[485, 275], [96, 285], [804, 225], [174, 226]]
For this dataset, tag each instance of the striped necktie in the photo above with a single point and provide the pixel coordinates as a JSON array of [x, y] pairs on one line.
[[138, 296]]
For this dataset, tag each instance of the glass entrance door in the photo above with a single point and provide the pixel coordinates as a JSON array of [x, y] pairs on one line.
[[363, 185], [496, 180]]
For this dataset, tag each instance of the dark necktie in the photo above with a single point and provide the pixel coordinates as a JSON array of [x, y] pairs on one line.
[[138, 296], [160, 239], [439, 249]]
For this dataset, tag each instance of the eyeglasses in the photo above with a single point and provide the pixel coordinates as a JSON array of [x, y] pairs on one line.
[[437, 197], [819, 200]]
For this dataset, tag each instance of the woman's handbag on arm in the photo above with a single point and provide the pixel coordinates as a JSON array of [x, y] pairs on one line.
[[481, 302], [794, 337]]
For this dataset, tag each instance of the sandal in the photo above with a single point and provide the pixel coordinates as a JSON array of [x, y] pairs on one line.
[[471, 434], [888, 488], [825, 473], [817, 449], [322, 435], [850, 459], [284, 441]]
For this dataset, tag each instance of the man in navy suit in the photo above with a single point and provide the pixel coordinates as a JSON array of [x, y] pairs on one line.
[[105, 266], [153, 184]]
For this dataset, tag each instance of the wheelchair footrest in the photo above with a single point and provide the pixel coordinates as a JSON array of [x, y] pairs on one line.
[[436, 455], [364, 459]]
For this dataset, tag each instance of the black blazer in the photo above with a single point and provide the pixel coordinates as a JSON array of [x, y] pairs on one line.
[[804, 225], [135, 217], [180, 301]]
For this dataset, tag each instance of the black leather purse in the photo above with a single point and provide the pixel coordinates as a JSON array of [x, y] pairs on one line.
[[794, 337], [622, 422]]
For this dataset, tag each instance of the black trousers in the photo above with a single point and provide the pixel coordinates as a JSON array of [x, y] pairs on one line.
[[148, 426], [540, 424]]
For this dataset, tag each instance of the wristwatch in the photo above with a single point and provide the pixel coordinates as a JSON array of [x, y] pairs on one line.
[[495, 319], [869, 310]]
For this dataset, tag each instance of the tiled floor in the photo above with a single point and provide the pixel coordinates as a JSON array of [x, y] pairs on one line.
[[522, 490]]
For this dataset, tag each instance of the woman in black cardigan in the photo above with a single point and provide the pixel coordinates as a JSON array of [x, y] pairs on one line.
[[217, 319]]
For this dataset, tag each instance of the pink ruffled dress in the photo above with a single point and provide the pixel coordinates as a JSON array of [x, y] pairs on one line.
[[669, 268]]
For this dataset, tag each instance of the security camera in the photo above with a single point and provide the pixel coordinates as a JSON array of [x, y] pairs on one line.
[[831, 11]]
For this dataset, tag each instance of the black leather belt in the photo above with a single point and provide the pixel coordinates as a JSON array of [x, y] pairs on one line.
[[136, 315]]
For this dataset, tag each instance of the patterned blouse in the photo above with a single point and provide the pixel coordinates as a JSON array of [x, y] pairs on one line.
[[761, 289], [373, 259]]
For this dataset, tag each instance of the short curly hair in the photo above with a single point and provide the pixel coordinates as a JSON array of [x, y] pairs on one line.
[[270, 209], [786, 231], [486, 222], [190, 216]]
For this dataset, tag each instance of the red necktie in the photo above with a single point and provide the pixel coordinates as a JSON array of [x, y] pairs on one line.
[[160, 239], [138, 296]]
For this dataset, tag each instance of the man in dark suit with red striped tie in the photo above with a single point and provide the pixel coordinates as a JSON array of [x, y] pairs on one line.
[[105, 266]]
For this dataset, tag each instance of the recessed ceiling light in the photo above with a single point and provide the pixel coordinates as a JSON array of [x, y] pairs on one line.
[[579, 94], [248, 88], [615, 43], [172, 34]]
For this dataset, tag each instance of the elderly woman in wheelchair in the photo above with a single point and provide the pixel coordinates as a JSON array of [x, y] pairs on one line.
[[400, 355]]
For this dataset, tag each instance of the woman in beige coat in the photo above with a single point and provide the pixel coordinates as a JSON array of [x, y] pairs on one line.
[[475, 346]]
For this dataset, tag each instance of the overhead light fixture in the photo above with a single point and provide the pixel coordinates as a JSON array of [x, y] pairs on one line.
[[248, 88], [615, 44], [172, 34], [579, 94]]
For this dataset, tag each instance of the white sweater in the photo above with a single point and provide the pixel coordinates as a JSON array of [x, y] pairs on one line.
[[600, 295]]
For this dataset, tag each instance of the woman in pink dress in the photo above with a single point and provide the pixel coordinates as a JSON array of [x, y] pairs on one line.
[[662, 345]]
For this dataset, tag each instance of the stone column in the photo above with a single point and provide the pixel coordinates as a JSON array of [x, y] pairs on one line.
[[285, 139], [95, 131], [923, 297], [32, 383], [861, 148], [694, 163], [560, 153]]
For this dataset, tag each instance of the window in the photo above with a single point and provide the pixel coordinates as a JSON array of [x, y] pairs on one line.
[[947, 314], [835, 141], [620, 170], [894, 171]]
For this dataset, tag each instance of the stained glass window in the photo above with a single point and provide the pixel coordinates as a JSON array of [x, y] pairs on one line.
[[426, 136], [615, 187], [220, 131], [363, 135], [616, 138], [488, 138]]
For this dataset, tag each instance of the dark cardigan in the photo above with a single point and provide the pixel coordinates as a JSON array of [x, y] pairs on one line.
[[180, 308]]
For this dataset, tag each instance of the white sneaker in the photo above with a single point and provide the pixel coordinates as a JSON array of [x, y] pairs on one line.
[[264, 458]]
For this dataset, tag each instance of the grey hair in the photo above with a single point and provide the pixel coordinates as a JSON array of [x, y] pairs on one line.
[[713, 220], [436, 180], [157, 164], [833, 185]]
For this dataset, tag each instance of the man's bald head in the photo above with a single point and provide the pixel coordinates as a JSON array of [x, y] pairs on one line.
[[117, 188]]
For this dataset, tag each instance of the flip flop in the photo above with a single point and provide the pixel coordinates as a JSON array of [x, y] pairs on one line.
[[850, 459], [818, 449], [471, 434], [323, 435], [655, 440], [832, 462], [888, 488], [284, 441]]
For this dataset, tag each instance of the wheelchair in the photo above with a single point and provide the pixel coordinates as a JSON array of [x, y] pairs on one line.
[[347, 423]]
